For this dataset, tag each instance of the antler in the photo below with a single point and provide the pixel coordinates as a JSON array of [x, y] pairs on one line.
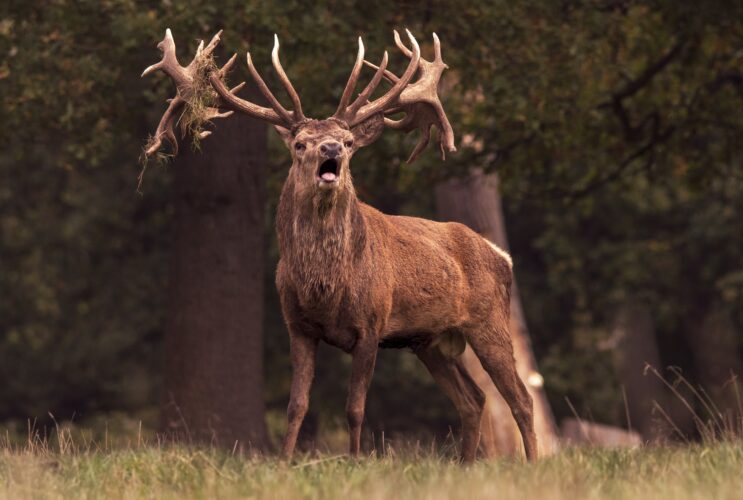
[[420, 101], [183, 77], [188, 91], [277, 114], [360, 109]]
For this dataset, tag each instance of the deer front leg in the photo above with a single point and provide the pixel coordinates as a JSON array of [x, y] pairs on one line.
[[362, 368], [302, 351]]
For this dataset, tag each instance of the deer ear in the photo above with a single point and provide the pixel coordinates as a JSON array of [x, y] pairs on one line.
[[286, 135], [368, 131]]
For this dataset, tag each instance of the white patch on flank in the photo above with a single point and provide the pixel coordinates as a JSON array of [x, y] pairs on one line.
[[501, 252]]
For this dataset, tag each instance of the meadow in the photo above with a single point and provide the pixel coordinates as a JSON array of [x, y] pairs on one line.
[[59, 469]]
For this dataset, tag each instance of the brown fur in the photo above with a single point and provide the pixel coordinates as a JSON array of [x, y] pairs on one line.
[[357, 279]]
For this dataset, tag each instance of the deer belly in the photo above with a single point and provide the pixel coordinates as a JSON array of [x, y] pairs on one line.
[[342, 338]]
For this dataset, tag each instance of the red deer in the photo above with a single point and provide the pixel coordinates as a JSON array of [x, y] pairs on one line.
[[359, 279]]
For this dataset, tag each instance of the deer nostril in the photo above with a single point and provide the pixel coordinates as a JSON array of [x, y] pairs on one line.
[[330, 149]]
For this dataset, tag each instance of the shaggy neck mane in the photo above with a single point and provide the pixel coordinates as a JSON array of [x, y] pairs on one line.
[[320, 234]]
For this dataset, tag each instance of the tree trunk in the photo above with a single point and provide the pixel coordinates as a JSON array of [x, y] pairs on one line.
[[714, 344], [213, 378], [579, 433], [475, 201], [634, 345]]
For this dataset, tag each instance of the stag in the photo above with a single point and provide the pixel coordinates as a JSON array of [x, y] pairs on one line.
[[354, 277]]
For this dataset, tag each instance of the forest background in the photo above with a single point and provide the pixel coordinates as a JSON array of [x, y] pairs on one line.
[[610, 127]]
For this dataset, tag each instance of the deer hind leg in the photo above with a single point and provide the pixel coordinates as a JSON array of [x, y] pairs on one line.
[[492, 345], [453, 378]]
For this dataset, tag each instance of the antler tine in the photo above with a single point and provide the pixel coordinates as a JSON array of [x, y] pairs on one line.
[[237, 88], [165, 128], [275, 104], [213, 43], [352, 81], [154, 67], [388, 75], [169, 62], [401, 45], [371, 86], [246, 107], [437, 50], [227, 67], [420, 146], [379, 105], [202, 51], [298, 114]]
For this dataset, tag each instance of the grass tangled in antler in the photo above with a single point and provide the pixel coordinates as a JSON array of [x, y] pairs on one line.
[[202, 98], [196, 113]]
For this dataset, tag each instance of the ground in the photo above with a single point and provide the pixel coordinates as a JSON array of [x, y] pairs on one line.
[[690, 471]]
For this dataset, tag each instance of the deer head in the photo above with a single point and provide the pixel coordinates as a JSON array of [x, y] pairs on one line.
[[321, 149]]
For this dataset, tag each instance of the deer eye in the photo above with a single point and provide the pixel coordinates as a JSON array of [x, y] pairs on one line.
[[299, 147], [348, 143]]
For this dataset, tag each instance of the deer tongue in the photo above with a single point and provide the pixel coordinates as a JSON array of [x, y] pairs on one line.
[[328, 176]]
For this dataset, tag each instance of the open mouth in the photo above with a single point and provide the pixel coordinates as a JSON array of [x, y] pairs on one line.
[[328, 171]]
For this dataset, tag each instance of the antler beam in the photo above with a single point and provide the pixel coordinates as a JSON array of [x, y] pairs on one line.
[[187, 91]]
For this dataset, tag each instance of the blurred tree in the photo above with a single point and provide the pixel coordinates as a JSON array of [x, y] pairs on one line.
[[613, 127], [608, 160], [81, 254], [714, 343], [634, 346], [213, 386]]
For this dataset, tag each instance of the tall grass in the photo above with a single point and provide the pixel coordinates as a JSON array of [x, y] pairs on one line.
[[712, 423], [61, 467], [73, 463]]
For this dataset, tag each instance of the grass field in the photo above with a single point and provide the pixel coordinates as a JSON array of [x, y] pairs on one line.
[[714, 471]]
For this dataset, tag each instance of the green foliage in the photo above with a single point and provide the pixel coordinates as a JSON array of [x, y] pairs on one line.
[[613, 127]]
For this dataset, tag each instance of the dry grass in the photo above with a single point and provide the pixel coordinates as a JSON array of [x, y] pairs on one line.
[[713, 422], [84, 463], [58, 468], [196, 116]]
